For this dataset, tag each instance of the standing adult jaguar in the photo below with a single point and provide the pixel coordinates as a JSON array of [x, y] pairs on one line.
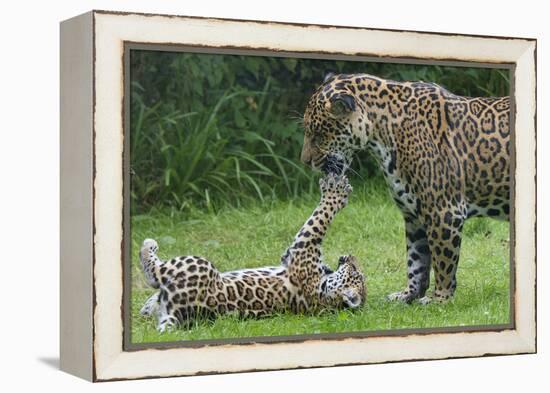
[[445, 158]]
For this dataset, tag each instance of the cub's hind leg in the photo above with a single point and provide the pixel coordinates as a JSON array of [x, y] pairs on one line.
[[151, 305], [167, 318], [160, 303], [150, 262]]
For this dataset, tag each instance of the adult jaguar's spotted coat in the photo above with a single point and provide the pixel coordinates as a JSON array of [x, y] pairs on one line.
[[445, 157], [191, 286]]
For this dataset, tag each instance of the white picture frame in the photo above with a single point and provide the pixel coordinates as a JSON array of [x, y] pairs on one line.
[[92, 195]]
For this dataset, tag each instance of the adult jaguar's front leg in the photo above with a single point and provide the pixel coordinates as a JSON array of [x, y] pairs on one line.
[[418, 262], [444, 239]]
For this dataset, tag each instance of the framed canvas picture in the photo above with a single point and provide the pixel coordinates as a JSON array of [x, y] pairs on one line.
[[246, 195]]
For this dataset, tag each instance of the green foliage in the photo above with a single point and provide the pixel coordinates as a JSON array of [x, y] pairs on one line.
[[207, 131], [370, 227]]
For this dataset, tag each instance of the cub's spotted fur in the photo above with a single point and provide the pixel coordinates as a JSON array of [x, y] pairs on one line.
[[190, 286], [445, 158]]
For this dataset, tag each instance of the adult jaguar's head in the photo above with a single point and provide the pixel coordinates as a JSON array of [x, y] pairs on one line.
[[335, 122], [345, 287]]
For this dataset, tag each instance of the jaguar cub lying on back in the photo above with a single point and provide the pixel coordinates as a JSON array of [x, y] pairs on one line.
[[190, 286]]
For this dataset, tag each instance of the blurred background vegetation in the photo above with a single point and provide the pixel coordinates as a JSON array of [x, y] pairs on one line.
[[211, 131]]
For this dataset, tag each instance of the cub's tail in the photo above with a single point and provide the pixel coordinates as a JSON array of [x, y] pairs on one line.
[[150, 262]]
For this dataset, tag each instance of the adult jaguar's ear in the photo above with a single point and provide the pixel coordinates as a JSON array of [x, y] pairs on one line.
[[341, 104]]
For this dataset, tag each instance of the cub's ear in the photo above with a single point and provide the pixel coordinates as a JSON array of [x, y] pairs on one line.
[[341, 104], [351, 299], [328, 76]]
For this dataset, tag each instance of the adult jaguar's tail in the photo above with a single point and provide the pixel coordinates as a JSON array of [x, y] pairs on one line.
[[150, 262]]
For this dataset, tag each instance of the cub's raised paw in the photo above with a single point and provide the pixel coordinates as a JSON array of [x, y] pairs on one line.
[[335, 189]]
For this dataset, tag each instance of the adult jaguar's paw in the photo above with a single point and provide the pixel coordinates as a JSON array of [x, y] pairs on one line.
[[402, 296], [425, 300], [436, 298]]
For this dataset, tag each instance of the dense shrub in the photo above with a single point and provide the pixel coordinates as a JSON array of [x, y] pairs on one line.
[[211, 130]]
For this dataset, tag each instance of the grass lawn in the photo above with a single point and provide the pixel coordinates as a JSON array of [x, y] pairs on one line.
[[370, 227]]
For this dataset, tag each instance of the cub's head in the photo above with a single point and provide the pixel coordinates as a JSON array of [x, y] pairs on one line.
[[345, 288], [335, 123]]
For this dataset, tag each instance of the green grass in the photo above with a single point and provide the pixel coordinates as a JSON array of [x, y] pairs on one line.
[[370, 227]]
